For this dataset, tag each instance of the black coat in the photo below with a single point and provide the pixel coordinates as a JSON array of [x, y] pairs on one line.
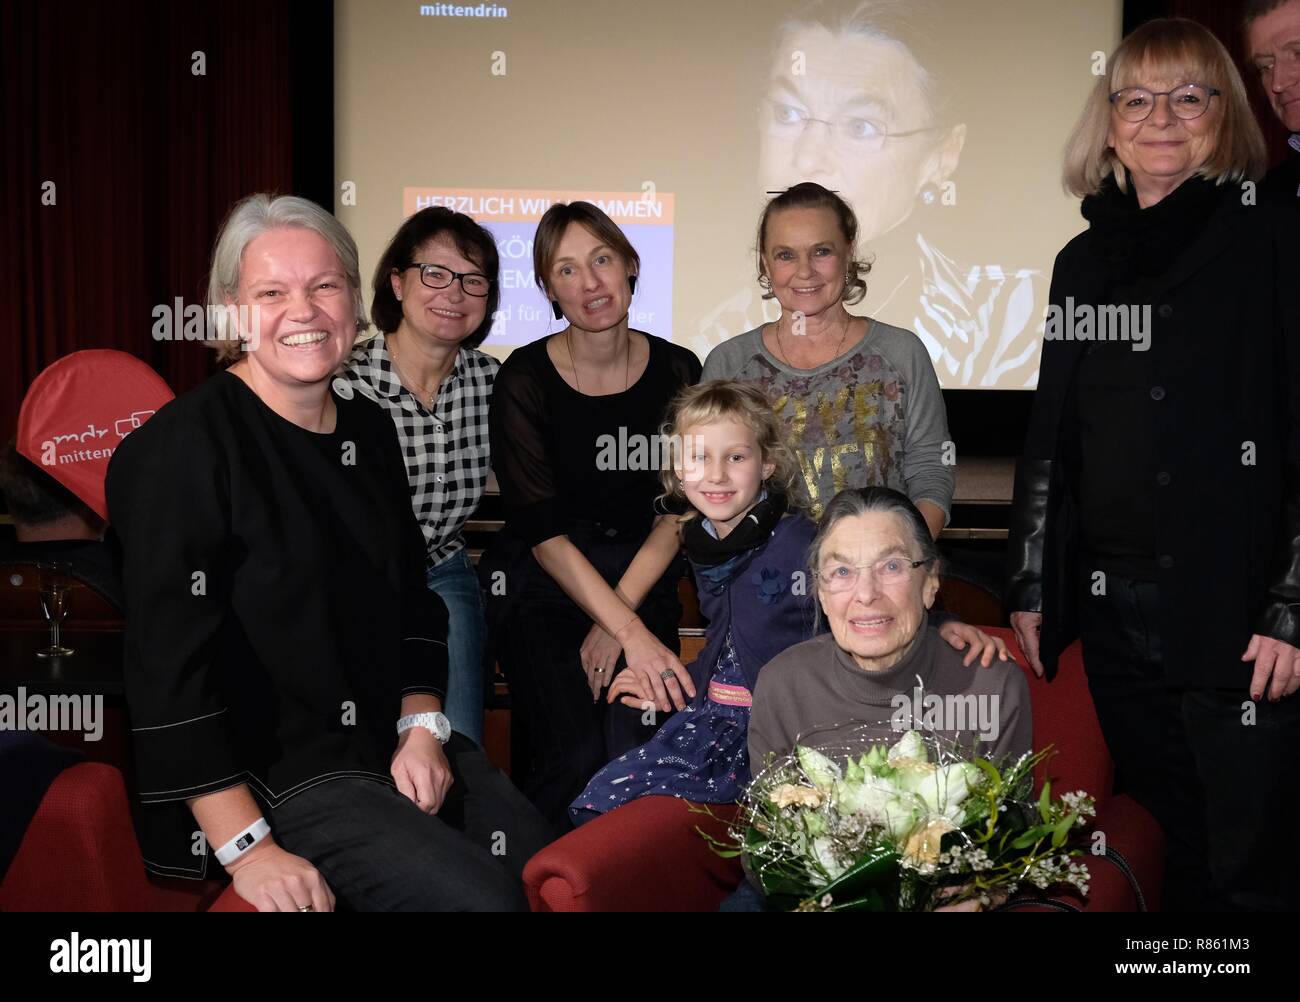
[[1225, 390], [1284, 179]]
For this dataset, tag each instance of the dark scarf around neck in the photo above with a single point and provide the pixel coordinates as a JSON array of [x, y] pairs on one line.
[[1136, 243], [754, 530]]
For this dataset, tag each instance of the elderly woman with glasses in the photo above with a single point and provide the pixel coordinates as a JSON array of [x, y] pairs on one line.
[[876, 569], [877, 574], [435, 292], [1157, 504]]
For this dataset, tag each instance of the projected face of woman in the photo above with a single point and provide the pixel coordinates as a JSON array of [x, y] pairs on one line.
[[840, 121], [589, 281]]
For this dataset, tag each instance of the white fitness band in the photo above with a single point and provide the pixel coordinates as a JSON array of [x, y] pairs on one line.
[[241, 843]]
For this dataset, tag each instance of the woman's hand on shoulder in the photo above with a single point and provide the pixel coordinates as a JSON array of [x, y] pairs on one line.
[[962, 635], [272, 879], [421, 770]]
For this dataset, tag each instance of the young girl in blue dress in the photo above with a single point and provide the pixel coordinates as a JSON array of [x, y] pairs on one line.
[[747, 542]]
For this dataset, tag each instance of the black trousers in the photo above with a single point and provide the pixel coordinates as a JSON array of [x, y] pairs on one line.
[[1217, 772], [379, 852], [560, 736]]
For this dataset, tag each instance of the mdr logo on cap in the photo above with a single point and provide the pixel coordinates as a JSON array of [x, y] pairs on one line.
[[78, 410]]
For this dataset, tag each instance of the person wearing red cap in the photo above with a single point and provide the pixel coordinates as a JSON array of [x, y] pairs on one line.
[[285, 661]]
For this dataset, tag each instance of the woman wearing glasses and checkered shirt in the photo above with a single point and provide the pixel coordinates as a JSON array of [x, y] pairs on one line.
[[435, 291]]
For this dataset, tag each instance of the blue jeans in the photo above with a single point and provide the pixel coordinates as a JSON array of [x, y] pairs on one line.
[[456, 583]]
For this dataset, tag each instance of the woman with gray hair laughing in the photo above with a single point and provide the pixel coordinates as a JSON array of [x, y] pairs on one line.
[[285, 663]]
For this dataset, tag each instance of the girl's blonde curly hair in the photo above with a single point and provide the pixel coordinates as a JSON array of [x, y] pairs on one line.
[[744, 403]]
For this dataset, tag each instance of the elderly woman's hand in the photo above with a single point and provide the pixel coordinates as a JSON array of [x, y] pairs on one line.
[[420, 769], [273, 880], [996, 898], [982, 646]]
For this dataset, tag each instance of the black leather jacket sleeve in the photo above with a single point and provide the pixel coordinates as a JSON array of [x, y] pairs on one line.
[[1280, 617], [1027, 535]]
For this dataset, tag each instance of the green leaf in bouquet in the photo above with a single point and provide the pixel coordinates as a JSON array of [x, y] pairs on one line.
[[784, 890], [870, 884], [1045, 802], [1062, 830], [990, 770], [1033, 835]]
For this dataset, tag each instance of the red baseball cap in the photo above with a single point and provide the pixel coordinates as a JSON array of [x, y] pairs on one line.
[[78, 410]]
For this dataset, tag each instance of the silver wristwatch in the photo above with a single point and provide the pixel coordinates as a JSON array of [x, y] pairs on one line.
[[437, 723]]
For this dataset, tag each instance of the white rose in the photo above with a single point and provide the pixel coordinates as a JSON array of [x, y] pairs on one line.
[[949, 786]]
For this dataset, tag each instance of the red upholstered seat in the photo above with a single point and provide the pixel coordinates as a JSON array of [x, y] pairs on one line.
[[648, 856], [80, 854]]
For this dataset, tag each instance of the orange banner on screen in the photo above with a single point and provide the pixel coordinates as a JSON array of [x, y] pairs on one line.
[[525, 205]]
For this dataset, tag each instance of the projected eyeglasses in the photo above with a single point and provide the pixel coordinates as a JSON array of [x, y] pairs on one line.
[[790, 121]]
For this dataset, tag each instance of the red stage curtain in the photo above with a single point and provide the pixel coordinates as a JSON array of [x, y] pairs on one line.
[[146, 157]]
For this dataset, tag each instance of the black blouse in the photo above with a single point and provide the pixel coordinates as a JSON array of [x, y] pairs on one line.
[[561, 455], [276, 607]]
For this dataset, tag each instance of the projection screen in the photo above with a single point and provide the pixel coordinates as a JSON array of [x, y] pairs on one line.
[[941, 121]]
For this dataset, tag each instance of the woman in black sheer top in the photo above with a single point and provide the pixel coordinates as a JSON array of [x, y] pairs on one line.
[[574, 421]]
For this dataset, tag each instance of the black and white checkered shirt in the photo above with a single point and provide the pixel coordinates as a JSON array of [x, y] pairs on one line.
[[446, 451]]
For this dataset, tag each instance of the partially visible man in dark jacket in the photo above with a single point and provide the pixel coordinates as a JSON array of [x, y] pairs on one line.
[[1272, 30]]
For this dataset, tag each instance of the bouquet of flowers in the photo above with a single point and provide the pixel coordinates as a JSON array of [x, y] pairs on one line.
[[907, 827]]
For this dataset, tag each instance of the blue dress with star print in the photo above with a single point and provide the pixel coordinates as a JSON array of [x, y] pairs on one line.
[[699, 754]]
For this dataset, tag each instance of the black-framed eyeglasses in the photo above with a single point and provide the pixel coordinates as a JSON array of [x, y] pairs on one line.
[[1190, 101], [435, 276]]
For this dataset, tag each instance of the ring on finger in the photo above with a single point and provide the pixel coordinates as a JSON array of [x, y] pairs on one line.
[[666, 674]]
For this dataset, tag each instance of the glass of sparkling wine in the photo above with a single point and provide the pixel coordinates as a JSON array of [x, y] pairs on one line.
[[56, 594]]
